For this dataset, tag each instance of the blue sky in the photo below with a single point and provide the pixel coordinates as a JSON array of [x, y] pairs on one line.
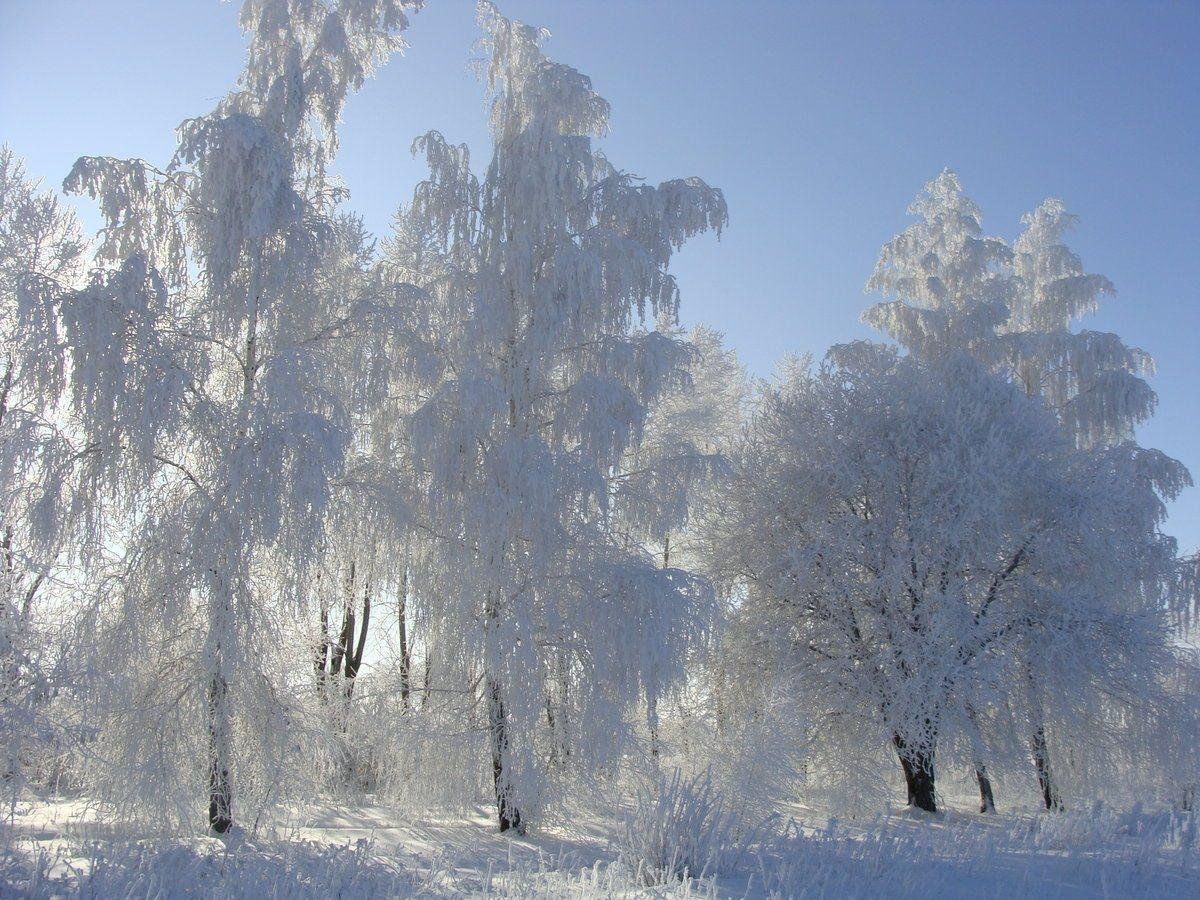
[[820, 121]]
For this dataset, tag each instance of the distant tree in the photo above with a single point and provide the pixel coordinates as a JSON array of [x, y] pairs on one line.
[[947, 286], [1091, 380], [665, 480]]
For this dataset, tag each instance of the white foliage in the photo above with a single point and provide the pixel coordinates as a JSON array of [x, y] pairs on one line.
[[543, 268], [904, 534], [209, 380]]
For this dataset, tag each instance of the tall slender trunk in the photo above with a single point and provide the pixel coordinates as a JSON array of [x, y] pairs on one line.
[[220, 787], [652, 724], [1041, 762], [508, 813], [221, 624], [564, 711], [1038, 747], [321, 654], [405, 649], [218, 713], [987, 802]]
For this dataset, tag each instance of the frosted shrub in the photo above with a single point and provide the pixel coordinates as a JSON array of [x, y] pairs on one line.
[[682, 826]]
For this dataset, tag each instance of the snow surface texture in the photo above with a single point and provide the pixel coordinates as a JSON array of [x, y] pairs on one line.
[[55, 849]]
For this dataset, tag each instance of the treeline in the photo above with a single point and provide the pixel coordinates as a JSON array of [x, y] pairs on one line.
[[288, 513]]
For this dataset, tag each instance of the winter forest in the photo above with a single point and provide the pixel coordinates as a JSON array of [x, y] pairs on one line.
[[447, 561]]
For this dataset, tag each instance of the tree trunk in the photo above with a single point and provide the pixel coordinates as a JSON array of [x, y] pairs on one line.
[[918, 775], [1041, 762], [987, 802], [508, 813], [220, 789], [652, 723], [427, 685], [405, 650]]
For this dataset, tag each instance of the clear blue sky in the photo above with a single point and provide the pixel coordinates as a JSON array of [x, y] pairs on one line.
[[819, 120]]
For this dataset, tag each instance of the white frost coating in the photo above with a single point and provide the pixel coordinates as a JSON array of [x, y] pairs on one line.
[[542, 269], [41, 480], [911, 540], [213, 379], [1092, 379], [950, 283]]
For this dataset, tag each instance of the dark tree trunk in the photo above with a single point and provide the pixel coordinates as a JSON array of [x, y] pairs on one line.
[[509, 815], [652, 723], [1041, 762], [354, 653], [918, 775], [220, 790], [336, 662], [987, 802], [427, 685], [405, 650]]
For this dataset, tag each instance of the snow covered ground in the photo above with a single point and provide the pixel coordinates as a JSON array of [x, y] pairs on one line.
[[59, 849]]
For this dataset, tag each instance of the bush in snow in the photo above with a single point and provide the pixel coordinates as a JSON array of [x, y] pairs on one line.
[[683, 826]]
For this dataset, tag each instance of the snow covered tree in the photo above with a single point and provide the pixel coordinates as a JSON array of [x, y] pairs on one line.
[[687, 434], [951, 289], [947, 286], [201, 365], [41, 248], [665, 480], [900, 530], [547, 263], [1091, 380]]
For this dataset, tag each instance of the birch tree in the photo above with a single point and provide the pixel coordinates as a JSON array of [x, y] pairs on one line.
[[198, 361], [548, 262], [41, 248]]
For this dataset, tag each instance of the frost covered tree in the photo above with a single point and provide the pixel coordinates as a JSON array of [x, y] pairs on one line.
[[547, 263], [900, 530], [688, 432], [1092, 380], [946, 285], [665, 480], [948, 289], [200, 364], [41, 248]]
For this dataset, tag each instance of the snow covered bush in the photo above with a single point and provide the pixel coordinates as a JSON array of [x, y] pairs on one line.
[[683, 825]]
